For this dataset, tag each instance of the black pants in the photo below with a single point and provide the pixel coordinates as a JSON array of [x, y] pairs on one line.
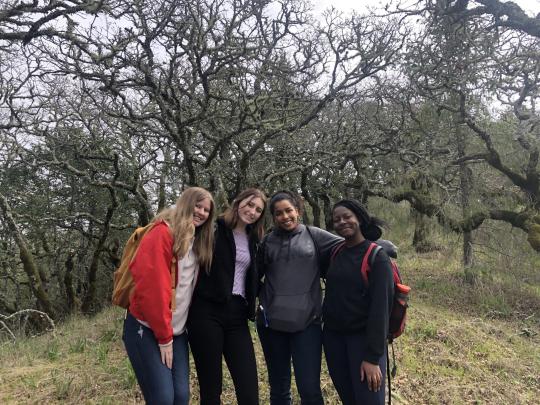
[[221, 330], [344, 355]]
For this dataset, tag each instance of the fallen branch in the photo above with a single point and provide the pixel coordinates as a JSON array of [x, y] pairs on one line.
[[26, 313]]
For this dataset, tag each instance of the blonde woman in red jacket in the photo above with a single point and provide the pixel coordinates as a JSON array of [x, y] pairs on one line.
[[154, 329]]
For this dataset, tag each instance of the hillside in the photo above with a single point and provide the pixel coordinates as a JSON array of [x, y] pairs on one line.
[[466, 343]]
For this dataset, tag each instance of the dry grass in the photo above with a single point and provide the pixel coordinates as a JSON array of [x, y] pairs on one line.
[[446, 356], [86, 364]]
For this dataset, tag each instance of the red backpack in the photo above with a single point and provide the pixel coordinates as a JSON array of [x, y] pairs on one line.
[[398, 314]]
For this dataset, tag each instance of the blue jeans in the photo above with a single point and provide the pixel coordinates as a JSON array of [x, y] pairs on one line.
[[159, 384], [305, 349], [344, 355]]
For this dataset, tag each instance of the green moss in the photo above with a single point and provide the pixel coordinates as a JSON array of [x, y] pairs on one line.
[[534, 236]]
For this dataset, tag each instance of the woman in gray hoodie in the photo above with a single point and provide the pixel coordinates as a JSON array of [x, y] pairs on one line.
[[292, 259]]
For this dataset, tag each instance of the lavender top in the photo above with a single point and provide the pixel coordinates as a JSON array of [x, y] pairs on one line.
[[241, 264]]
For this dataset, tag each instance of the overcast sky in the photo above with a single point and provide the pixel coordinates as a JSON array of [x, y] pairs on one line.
[[530, 6]]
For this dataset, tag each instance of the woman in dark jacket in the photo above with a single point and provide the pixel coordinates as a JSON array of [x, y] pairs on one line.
[[292, 259], [356, 315], [223, 301]]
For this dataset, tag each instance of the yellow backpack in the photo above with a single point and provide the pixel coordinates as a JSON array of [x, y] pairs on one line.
[[124, 286]]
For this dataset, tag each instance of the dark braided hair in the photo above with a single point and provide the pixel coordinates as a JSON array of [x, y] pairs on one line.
[[369, 226]]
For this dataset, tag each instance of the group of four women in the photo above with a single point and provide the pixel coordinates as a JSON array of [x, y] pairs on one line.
[[221, 270]]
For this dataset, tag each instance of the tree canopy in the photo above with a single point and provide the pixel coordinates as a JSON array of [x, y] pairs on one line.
[[108, 109]]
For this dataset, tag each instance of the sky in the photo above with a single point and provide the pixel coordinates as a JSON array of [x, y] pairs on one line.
[[532, 7]]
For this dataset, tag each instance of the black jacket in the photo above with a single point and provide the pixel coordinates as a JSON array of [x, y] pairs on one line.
[[352, 307], [216, 286]]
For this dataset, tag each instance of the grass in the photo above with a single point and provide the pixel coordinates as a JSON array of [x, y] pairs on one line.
[[470, 339], [444, 357]]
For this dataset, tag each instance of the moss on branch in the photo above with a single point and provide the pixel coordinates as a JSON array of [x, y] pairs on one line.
[[527, 220]]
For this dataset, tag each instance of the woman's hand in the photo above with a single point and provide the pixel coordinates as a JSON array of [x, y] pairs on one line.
[[166, 354], [373, 374]]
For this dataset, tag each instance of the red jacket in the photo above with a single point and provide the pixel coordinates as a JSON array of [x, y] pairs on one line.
[[151, 273]]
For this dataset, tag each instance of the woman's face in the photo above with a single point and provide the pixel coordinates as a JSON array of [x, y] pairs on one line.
[[286, 215], [250, 210], [201, 212], [346, 224]]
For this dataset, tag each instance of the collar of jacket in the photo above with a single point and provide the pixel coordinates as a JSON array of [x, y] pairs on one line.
[[221, 221]]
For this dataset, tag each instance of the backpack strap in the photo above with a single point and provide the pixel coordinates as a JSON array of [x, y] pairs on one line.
[[137, 236], [395, 271], [364, 269], [388, 374]]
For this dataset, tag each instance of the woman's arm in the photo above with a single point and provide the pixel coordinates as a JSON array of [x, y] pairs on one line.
[[381, 294], [152, 277], [260, 261], [325, 242]]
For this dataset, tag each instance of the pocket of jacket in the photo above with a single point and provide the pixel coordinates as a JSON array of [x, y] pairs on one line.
[[291, 313]]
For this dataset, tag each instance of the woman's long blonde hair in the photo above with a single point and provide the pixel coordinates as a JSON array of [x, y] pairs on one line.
[[180, 219]]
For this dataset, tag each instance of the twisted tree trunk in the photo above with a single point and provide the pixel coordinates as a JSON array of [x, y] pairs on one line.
[[27, 258]]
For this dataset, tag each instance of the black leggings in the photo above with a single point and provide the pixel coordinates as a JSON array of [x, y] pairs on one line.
[[344, 355], [216, 330]]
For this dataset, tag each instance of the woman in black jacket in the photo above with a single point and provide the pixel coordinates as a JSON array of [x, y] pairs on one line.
[[356, 315], [223, 301]]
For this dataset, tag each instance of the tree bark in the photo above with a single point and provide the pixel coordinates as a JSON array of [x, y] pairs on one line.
[[71, 295], [162, 192], [90, 297], [327, 207], [312, 201], [421, 237], [465, 178], [27, 258]]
